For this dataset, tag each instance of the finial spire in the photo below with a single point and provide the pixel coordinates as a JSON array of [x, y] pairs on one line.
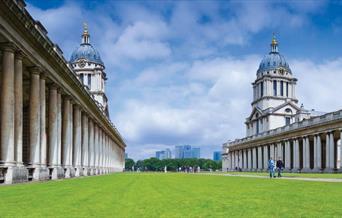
[[274, 44], [85, 35]]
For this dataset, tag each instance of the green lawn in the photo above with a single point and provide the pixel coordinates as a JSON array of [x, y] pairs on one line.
[[305, 175], [171, 195]]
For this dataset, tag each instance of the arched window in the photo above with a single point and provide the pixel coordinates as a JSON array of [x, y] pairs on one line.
[[288, 110]]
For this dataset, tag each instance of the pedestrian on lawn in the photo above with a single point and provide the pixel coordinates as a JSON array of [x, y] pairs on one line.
[[271, 167], [280, 166]]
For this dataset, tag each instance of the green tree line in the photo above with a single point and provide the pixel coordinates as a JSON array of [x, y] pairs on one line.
[[154, 164]]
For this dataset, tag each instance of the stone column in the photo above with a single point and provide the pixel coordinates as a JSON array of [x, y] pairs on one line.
[[265, 157], [59, 131], [85, 144], [329, 161], [295, 155], [331, 152], [66, 137], [7, 108], [57, 172], [280, 151], [244, 159], [340, 167], [233, 160], [34, 123], [71, 139], [260, 158], [272, 151], [254, 158], [91, 147], [227, 163], [18, 113], [249, 159], [20, 173], [100, 149], [43, 145], [317, 153], [287, 156], [77, 152], [96, 151], [306, 154]]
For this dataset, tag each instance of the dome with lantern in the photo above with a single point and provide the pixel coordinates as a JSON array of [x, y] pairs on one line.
[[273, 60], [86, 51]]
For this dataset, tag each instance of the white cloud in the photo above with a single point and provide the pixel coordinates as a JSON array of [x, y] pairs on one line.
[[169, 82], [318, 83]]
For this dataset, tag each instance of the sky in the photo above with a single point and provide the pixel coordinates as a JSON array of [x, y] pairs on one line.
[[180, 72]]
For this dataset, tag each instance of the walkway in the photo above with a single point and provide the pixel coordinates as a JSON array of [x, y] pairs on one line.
[[286, 178]]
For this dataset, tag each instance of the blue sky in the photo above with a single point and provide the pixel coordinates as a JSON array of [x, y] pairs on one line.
[[180, 72]]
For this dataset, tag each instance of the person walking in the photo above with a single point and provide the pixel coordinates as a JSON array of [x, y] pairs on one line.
[[280, 166], [271, 167]]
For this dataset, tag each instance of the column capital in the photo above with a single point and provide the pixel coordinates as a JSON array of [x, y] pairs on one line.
[[35, 70], [43, 75], [53, 86], [19, 55], [8, 46]]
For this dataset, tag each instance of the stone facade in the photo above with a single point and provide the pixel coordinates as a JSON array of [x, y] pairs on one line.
[[51, 126]]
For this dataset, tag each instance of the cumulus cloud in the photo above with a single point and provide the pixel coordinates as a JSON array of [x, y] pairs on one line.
[[173, 75]]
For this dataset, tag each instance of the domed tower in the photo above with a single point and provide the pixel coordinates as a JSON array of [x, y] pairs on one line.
[[274, 100], [87, 64]]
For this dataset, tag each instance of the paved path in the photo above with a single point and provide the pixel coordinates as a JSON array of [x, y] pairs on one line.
[[267, 177]]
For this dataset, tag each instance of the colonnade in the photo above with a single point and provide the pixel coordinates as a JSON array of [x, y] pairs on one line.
[[319, 152], [44, 132]]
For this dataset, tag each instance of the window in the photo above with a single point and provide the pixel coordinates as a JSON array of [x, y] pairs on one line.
[[81, 78], [287, 89], [257, 126], [275, 87], [287, 121], [288, 110], [89, 81], [282, 88], [262, 89]]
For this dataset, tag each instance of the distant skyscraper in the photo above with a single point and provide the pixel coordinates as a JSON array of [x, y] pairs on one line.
[[217, 155], [161, 155], [195, 153], [185, 151], [126, 155], [168, 154], [179, 152]]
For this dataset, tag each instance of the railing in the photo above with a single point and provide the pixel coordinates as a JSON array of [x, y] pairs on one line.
[[336, 115]]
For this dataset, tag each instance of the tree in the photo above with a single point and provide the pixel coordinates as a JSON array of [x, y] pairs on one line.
[[129, 163]]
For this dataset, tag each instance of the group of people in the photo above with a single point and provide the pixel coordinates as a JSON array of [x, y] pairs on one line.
[[273, 166]]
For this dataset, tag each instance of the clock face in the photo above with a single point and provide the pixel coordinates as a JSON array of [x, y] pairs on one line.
[[81, 63]]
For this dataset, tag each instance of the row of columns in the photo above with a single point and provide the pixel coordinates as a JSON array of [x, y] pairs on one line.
[[312, 153], [68, 143]]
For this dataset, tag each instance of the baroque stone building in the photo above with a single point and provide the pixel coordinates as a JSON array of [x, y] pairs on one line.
[[51, 126], [306, 140]]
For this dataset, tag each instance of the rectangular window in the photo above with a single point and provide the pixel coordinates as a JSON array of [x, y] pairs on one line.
[[262, 89], [282, 88], [81, 78], [275, 87], [287, 89], [89, 81], [287, 120]]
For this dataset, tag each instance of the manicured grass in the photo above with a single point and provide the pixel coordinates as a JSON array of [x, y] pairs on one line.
[[171, 195], [305, 175]]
